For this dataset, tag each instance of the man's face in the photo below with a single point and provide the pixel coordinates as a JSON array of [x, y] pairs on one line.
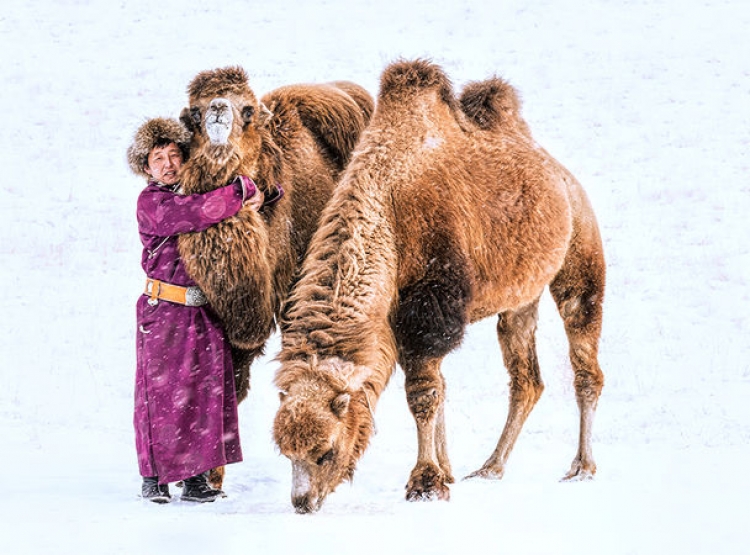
[[163, 163]]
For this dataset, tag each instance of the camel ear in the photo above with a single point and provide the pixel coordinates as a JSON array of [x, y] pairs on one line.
[[264, 114], [282, 395], [340, 404], [186, 120]]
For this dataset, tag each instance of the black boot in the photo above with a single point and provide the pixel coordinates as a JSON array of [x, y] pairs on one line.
[[151, 490], [198, 489]]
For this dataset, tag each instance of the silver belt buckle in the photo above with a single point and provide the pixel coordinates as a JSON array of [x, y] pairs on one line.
[[153, 301], [195, 297]]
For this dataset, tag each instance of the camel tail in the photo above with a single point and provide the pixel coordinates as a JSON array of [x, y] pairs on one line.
[[492, 104]]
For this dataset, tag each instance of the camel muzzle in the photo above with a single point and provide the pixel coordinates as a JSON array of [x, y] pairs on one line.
[[219, 118], [303, 497]]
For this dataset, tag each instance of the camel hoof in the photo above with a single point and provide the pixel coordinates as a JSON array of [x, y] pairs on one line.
[[579, 472], [216, 477], [487, 474], [427, 484], [444, 495], [581, 476]]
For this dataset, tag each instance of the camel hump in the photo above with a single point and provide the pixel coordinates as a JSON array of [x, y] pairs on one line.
[[492, 104], [330, 112], [360, 95], [406, 78]]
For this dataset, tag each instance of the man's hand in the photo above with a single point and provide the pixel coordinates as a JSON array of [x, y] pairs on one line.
[[252, 196], [256, 201]]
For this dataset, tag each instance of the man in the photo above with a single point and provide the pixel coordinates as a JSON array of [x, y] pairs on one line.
[[185, 414]]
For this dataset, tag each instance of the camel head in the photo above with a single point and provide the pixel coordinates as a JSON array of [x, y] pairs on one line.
[[227, 122], [323, 427]]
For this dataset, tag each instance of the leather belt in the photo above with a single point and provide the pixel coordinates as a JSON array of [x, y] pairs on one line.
[[188, 296]]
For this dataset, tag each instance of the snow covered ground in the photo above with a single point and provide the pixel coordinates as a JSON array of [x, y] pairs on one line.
[[646, 102]]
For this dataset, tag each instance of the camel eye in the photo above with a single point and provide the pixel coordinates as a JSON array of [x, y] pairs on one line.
[[247, 113], [327, 456], [195, 115]]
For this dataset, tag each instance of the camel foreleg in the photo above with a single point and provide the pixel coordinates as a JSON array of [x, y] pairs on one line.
[[425, 394], [216, 477]]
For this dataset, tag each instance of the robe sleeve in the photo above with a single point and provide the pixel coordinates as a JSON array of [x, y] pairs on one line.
[[163, 213]]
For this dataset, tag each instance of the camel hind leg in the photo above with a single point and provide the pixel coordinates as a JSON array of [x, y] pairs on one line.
[[578, 290], [516, 333]]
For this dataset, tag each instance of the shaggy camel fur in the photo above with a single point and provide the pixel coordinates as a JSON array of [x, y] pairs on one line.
[[448, 213], [297, 138]]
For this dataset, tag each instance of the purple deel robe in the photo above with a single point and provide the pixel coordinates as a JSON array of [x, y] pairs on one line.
[[185, 404]]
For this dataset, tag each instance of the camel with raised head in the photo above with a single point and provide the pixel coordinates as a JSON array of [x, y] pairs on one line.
[[297, 140], [448, 213]]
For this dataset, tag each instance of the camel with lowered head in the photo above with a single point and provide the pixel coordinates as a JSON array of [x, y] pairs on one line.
[[448, 213], [296, 139]]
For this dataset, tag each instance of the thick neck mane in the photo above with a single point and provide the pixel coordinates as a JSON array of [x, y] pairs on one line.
[[341, 306], [210, 167]]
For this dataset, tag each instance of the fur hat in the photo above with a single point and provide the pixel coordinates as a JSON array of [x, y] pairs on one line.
[[151, 133]]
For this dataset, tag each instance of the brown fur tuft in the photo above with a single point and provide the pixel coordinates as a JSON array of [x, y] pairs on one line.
[[218, 82], [492, 103], [432, 313], [404, 78]]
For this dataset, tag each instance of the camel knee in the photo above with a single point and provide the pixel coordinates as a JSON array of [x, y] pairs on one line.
[[516, 333], [526, 388], [579, 300], [423, 403], [588, 385], [584, 352], [424, 397], [589, 378], [526, 383], [538, 390]]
